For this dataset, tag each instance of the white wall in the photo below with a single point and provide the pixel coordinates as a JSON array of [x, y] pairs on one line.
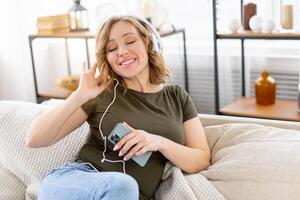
[[12, 54], [17, 19]]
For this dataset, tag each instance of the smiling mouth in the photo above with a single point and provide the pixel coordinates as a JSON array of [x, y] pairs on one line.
[[127, 62]]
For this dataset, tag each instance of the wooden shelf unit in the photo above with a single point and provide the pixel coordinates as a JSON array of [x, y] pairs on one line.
[[247, 107], [64, 35], [259, 36]]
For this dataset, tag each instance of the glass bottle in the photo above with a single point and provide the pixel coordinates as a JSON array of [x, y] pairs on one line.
[[265, 89], [287, 14], [78, 17]]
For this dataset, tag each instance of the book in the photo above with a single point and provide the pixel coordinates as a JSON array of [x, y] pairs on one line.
[[52, 18], [53, 31], [53, 22]]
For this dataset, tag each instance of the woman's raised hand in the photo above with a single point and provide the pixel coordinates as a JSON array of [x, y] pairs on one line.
[[89, 85]]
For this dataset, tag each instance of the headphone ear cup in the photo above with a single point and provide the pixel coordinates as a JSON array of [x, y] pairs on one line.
[[157, 41], [157, 46]]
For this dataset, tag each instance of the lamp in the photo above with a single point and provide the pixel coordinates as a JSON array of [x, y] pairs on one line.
[[78, 17]]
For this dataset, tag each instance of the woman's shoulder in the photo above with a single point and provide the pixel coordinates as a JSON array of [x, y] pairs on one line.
[[178, 93], [177, 89]]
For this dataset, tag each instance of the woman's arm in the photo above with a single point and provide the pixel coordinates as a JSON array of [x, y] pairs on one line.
[[58, 122], [192, 157]]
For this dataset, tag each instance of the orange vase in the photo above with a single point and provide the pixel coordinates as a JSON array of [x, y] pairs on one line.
[[265, 89]]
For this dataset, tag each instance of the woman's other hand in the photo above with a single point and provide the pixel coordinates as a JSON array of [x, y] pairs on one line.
[[137, 143], [89, 85]]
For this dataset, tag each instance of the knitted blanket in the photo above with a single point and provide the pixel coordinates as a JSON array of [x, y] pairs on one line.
[[177, 185]]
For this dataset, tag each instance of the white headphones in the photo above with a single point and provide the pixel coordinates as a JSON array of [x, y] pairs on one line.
[[157, 41]]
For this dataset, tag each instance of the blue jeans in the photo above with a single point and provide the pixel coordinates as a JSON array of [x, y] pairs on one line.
[[81, 181]]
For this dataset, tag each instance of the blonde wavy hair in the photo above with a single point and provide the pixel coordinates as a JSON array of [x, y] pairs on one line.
[[159, 73]]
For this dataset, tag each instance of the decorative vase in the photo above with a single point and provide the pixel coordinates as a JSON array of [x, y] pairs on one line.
[[234, 25], [255, 24], [265, 89], [249, 11], [268, 26], [287, 14]]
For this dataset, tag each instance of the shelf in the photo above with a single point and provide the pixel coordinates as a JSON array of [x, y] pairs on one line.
[[64, 35], [247, 107], [57, 93], [256, 36], [86, 35]]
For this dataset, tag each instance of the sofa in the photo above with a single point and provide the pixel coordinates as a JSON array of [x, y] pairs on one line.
[[251, 158]]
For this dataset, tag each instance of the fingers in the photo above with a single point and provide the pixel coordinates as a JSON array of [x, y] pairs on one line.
[[84, 68], [94, 68], [130, 144], [133, 151], [123, 141], [141, 151]]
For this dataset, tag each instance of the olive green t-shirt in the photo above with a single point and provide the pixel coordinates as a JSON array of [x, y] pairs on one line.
[[161, 113]]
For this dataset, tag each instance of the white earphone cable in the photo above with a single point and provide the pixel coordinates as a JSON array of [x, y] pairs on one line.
[[104, 137]]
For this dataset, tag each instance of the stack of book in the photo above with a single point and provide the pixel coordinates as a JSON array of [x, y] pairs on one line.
[[53, 24]]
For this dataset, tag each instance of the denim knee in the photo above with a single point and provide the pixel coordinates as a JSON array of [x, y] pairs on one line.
[[127, 182], [124, 186]]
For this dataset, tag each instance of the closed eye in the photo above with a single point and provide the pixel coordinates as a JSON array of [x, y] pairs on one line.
[[131, 42], [112, 49]]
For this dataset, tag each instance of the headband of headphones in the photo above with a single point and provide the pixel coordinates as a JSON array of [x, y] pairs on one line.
[[157, 41]]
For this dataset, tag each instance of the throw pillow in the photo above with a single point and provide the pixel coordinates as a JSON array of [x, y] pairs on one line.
[[252, 161]]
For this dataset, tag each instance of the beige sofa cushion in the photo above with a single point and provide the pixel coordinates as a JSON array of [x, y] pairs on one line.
[[30, 165], [254, 162]]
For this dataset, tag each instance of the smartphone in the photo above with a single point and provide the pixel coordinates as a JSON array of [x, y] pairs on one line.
[[118, 132]]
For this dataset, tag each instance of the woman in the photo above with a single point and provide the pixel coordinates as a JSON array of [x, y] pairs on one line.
[[162, 120]]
